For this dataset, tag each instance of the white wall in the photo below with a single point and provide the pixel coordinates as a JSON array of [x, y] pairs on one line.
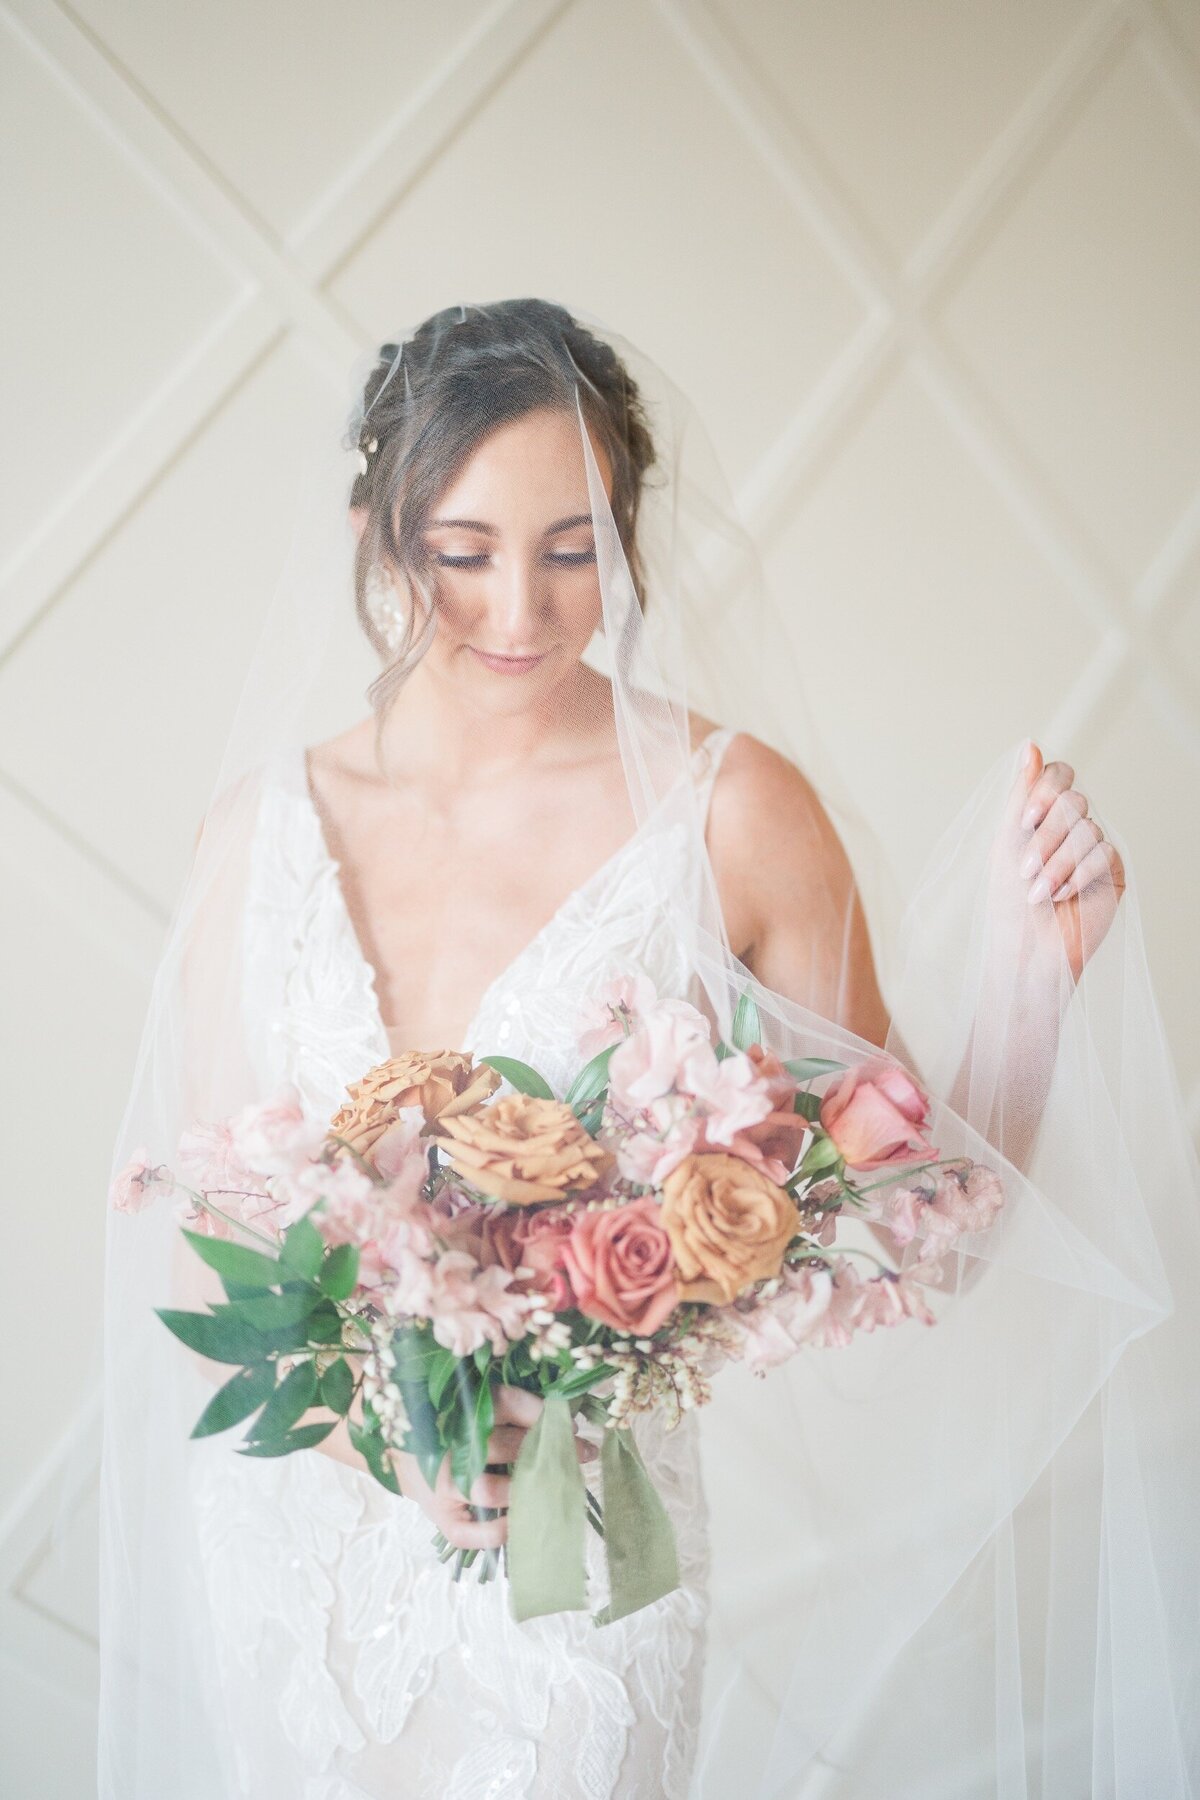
[[939, 264]]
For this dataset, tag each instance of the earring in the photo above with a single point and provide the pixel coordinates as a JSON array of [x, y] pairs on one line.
[[382, 607]]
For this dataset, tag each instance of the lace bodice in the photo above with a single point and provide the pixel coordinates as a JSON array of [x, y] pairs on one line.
[[351, 1664]]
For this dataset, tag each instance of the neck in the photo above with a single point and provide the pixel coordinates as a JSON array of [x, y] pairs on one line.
[[437, 733]]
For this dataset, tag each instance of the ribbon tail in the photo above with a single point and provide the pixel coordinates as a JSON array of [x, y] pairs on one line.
[[639, 1539], [547, 1519]]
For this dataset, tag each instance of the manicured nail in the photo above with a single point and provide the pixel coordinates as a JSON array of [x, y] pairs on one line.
[[1039, 891], [1031, 864], [1064, 891]]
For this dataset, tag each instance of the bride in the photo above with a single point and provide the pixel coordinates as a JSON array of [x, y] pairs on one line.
[[531, 811]]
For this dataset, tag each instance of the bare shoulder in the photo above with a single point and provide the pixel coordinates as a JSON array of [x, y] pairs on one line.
[[766, 814]]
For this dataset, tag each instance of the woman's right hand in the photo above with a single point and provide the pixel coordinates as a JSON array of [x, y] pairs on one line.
[[516, 1411]]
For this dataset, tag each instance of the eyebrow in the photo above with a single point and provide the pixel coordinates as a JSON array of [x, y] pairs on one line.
[[494, 530]]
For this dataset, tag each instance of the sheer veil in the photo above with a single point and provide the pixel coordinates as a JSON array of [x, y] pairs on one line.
[[948, 1559]]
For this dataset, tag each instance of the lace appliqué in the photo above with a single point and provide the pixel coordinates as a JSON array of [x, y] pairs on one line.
[[353, 1667]]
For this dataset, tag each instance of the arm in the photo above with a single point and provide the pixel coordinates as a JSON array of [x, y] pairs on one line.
[[796, 919]]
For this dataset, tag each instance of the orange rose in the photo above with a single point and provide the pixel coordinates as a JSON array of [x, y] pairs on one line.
[[729, 1225], [442, 1083], [522, 1149]]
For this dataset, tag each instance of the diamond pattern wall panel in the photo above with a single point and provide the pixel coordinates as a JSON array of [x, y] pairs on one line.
[[929, 273]]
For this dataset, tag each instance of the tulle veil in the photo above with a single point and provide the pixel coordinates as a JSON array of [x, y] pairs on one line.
[[958, 1559]]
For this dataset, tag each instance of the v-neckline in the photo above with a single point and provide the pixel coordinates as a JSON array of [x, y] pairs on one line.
[[331, 866]]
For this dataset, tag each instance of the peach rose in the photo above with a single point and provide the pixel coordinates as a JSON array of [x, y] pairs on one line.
[[619, 1264], [728, 1223], [523, 1149], [442, 1083], [876, 1114]]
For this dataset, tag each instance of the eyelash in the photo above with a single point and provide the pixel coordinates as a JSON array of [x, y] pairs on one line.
[[569, 559]]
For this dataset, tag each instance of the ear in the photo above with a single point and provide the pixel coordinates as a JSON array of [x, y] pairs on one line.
[[358, 521]]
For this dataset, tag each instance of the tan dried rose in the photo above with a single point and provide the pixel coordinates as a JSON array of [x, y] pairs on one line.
[[522, 1149], [729, 1225], [442, 1083]]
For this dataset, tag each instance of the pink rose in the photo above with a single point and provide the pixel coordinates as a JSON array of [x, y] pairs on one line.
[[618, 1261], [876, 1114], [532, 1239], [135, 1186]]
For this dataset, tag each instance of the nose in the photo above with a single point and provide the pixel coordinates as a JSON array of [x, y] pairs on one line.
[[517, 605]]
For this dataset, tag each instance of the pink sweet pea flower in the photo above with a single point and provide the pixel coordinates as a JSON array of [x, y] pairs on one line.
[[732, 1094], [876, 1115], [620, 1002], [134, 1187], [775, 1328], [275, 1137], [647, 1065]]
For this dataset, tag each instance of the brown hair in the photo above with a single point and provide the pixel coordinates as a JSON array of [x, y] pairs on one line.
[[426, 405]]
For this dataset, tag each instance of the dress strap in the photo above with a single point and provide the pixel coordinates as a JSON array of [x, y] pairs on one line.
[[706, 760]]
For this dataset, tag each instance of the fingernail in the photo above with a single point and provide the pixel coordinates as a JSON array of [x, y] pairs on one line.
[[1031, 863], [1029, 817], [1039, 891], [1064, 891]]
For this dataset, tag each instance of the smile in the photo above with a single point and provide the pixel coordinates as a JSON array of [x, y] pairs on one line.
[[507, 665]]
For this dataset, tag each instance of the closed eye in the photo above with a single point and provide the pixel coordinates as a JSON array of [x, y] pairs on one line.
[[572, 559]]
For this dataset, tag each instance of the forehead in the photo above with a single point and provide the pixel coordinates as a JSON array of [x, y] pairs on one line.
[[535, 458]]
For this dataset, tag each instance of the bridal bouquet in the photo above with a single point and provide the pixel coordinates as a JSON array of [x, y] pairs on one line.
[[685, 1203]]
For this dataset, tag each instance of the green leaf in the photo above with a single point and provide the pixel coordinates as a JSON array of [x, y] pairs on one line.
[[220, 1334], [520, 1076], [235, 1260], [243, 1394], [337, 1386], [808, 1068], [339, 1273], [272, 1312], [582, 1380], [439, 1375], [324, 1324], [303, 1438], [303, 1248], [807, 1105], [370, 1446], [746, 1026], [292, 1398], [591, 1080]]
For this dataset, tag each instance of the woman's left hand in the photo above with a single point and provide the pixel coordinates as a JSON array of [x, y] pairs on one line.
[[1075, 876]]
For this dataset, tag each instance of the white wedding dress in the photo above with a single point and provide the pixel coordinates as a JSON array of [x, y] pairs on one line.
[[351, 1663]]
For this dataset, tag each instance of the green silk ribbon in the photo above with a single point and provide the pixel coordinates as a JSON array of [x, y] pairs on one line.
[[547, 1523]]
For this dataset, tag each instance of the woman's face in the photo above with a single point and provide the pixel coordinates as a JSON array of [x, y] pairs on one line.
[[512, 555]]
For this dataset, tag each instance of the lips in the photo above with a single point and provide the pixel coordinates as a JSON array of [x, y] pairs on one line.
[[506, 665]]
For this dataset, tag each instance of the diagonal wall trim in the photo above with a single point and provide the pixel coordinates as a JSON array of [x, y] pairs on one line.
[[908, 304], [283, 284]]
